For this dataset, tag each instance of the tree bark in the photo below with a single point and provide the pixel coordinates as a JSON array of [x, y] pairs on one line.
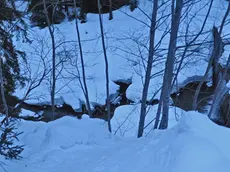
[[168, 75], [86, 94], [110, 10], [219, 94], [51, 32], [216, 54], [106, 67], [148, 70], [219, 77]]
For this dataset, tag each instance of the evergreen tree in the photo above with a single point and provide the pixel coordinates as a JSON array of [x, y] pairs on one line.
[[10, 78], [10, 22]]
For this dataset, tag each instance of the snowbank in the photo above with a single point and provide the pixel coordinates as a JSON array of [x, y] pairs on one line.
[[195, 144], [126, 119], [63, 133]]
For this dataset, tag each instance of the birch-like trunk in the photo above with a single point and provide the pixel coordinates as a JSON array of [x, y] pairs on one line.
[[168, 74], [106, 67], [86, 94], [149, 69], [110, 10]]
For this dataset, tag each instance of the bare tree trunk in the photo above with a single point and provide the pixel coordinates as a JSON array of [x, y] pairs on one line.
[[216, 54], [3, 93], [86, 94], [168, 75], [51, 31], [110, 10], [219, 94], [148, 71], [106, 67], [219, 77]]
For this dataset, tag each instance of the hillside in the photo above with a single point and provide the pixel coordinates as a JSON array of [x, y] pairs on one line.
[[69, 139]]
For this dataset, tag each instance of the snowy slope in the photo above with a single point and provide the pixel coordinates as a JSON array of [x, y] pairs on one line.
[[126, 119], [195, 144], [127, 45]]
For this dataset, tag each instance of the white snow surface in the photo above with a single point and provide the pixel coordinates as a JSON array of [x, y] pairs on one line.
[[192, 144], [195, 144], [127, 39], [126, 119]]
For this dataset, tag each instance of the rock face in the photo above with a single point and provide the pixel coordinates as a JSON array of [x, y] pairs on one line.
[[57, 12], [43, 111], [12, 101], [39, 18], [116, 100], [183, 98], [123, 86], [225, 111], [90, 6]]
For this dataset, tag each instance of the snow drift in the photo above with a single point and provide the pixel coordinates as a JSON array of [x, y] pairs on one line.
[[195, 144]]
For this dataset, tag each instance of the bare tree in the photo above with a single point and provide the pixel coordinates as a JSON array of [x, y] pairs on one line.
[[110, 10], [189, 41], [51, 32], [35, 78], [84, 85], [168, 74], [149, 69], [106, 67]]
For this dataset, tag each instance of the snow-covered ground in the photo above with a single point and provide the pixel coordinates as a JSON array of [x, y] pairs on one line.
[[126, 119], [194, 144], [127, 38], [191, 144]]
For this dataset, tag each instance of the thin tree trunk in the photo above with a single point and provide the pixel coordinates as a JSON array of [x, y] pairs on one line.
[[168, 75], [110, 10], [106, 67], [51, 31], [86, 94], [158, 114], [148, 71], [6, 110]]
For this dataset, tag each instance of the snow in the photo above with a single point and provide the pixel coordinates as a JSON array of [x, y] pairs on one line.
[[194, 144], [3, 59], [26, 113], [191, 144], [57, 101], [191, 79], [228, 85], [126, 41], [126, 119]]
